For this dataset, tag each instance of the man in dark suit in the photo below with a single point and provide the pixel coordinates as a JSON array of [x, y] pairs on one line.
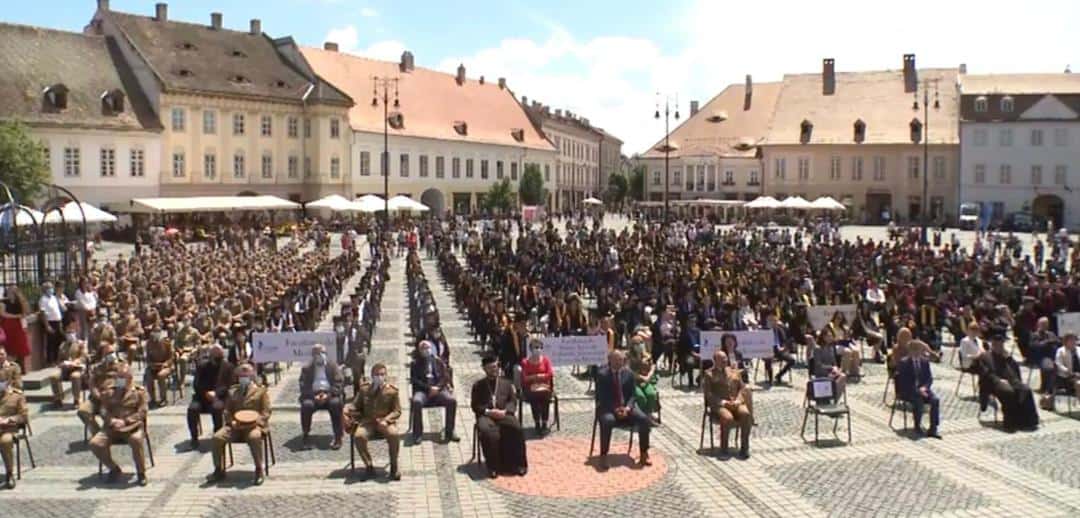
[[914, 384], [212, 379], [781, 349], [616, 406], [321, 388], [432, 385], [494, 400]]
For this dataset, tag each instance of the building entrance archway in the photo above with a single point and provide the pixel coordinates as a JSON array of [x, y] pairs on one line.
[[435, 201], [1049, 207]]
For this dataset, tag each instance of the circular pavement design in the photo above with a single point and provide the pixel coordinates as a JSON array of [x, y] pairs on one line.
[[558, 468]]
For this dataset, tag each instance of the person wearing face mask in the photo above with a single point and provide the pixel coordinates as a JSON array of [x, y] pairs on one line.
[[101, 378], [615, 404], [159, 366], [432, 385], [375, 410], [13, 416], [123, 410], [538, 384], [187, 338], [10, 371], [73, 359], [52, 307], [494, 401], [246, 394], [209, 386], [321, 388]]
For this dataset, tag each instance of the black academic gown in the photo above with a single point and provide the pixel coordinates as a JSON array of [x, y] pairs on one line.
[[502, 440], [1017, 401]]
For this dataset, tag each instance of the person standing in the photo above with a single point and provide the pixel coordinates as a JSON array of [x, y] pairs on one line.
[[86, 303], [12, 314], [52, 307], [494, 401]]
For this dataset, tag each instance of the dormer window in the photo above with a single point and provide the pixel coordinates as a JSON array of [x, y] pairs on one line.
[[518, 134], [461, 127], [717, 116], [805, 131], [916, 131], [980, 104], [860, 131], [1007, 104], [112, 102], [55, 98], [186, 45], [239, 79], [238, 54], [281, 84], [183, 72]]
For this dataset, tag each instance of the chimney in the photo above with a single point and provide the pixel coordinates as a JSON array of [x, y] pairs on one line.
[[256, 27], [693, 108], [407, 63], [911, 78], [215, 21], [525, 101], [481, 79], [331, 46], [828, 76], [161, 12], [461, 74], [749, 95], [502, 83], [103, 5], [963, 68], [558, 113]]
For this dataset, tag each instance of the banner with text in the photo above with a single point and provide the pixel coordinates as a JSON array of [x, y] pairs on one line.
[[752, 344], [821, 315], [291, 347], [1068, 323], [576, 350]]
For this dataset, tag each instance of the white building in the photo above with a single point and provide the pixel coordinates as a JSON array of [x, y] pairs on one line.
[[1020, 145]]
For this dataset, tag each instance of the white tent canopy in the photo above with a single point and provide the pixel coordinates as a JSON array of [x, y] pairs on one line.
[[827, 203], [592, 201], [211, 204], [404, 203], [795, 202], [72, 214], [334, 202], [763, 202], [23, 216]]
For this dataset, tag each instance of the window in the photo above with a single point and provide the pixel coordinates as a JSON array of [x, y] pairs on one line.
[[979, 136], [834, 168], [780, 168], [856, 168], [178, 167], [238, 165], [656, 177], [1005, 137], [440, 167], [56, 97], [209, 166], [514, 171], [712, 178], [455, 168], [980, 174], [547, 173], [293, 125], [335, 128], [267, 165], [1006, 174], [137, 159], [1036, 137], [1061, 137], [108, 162], [701, 178], [914, 167], [879, 169], [294, 166], [365, 163], [384, 164], [729, 177], [178, 120], [754, 178], [71, 161], [335, 168], [403, 167], [46, 156], [266, 126], [676, 176], [468, 168], [307, 128], [1036, 175], [209, 122], [238, 124], [1007, 104], [424, 166], [1060, 171], [980, 105], [483, 169], [997, 210], [498, 170], [307, 167], [939, 168]]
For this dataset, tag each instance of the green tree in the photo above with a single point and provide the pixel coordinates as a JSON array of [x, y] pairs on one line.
[[617, 189], [500, 197], [637, 183], [531, 189], [22, 162]]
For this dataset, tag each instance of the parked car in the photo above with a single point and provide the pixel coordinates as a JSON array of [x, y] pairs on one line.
[[1019, 222], [969, 216]]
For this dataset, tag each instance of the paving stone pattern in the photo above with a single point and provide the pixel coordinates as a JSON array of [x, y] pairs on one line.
[[375, 505], [1054, 456], [46, 507]]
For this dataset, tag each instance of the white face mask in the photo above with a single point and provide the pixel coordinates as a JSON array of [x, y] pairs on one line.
[[377, 381], [120, 383], [3, 386], [244, 381], [535, 353]]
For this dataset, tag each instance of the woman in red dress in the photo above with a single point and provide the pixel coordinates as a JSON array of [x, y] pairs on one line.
[[537, 382], [12, 312]]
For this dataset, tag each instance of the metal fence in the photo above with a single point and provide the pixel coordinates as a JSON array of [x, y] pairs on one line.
[[38, 246]]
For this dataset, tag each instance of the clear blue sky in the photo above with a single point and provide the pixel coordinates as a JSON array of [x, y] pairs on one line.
[[607, 59]]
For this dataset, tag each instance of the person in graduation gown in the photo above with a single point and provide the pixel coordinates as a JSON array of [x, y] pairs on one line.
[[1000, 376], [512, 347], [494, 401]]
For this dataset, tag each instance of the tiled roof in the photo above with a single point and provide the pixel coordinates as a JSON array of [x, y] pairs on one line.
[[1018, 84], [876, 97], [33, 58], [431, 102], [723, 127]]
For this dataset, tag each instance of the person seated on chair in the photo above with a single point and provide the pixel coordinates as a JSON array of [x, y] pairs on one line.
[[688, 350], [246, 394], [616, 406], [213, 375], [431, 386], [914, 384], [999, 375], [645, 377], [494, 401], [1044, 344], [123, 409], [13, 416], [971, 346], [375, 410], [131, 332], [1067, 367], [725, 398], [537, 380], [511, 346], [101, 378], [73, 360], [822, 360], [850, 357], [10, 371], [159, 366], [782, 349], [322, 387]]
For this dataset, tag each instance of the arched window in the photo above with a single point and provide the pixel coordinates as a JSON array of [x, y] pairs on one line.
[[1007, 104], [112, 102], [805, 131], [980, 104], [860, 131], [55, 98]]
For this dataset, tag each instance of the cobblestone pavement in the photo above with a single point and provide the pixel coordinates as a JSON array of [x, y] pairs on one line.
[[977, 470]]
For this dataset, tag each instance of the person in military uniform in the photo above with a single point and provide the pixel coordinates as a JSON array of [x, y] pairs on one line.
[[725, 399], [12, 417], [160, 360], [187, 339], [101, 374], [376, 410], [246, 394], [124, 407], [102, 332], [9, 370], [131, 332], [73, 361]]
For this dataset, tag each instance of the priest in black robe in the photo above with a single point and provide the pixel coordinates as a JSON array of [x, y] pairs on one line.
[[494, 402], [1000, 376]]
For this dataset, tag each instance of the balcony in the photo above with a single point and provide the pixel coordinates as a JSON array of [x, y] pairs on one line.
[[753, 183], [728, 183]]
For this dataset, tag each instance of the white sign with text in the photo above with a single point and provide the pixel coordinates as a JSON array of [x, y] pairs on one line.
[[576, 350], [752, 344], [291, 347], [1068, 323], [821, 315]]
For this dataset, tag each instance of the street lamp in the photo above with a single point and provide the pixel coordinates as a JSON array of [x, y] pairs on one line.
[[386, 83], [667, 147], [920, 131]]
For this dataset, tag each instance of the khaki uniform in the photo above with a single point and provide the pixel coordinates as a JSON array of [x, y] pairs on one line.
[[102, 333], [159, 366], [101, 380], [12, 373], [725, 384], [132, 332], [12, 405], [369, 406], [74, 352], [129, 406], [256, 398], [187, 339]]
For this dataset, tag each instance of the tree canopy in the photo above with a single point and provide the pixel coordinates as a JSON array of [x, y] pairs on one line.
[[22, 163]]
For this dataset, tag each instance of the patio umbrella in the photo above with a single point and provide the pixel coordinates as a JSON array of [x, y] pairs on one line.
[[334, 202], [795, 202], [404, 203], [23, 216], [592, 201], [827, 203], [72, 214], [763, 202]]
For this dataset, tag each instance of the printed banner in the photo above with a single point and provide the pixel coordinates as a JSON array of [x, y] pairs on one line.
[[820, 315], [576, 350], [1068, 323], [291, 347], [752, 344]]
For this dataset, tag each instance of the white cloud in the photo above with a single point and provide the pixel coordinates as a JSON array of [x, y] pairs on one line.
[[348, 40], [368, 12]]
